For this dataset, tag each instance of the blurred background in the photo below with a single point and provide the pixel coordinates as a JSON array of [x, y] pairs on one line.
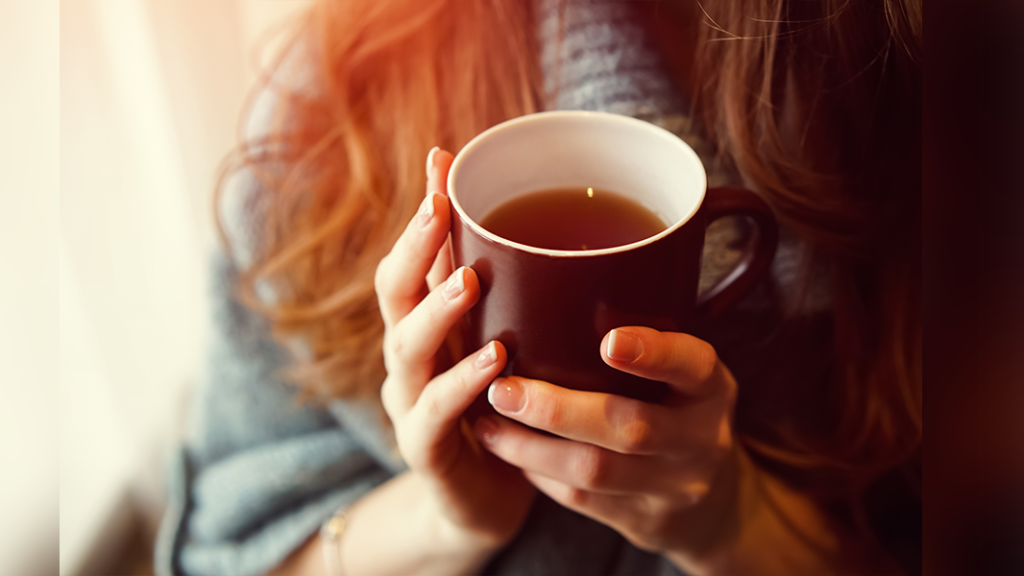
[[114, 115], [150, 97]]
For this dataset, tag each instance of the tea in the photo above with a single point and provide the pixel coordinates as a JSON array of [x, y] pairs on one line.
[[573, 218]]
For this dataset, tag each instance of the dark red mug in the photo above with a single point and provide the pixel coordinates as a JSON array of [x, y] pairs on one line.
[[551, 308]]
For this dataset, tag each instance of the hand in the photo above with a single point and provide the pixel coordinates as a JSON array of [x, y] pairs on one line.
[[479, 495], [658, 474]]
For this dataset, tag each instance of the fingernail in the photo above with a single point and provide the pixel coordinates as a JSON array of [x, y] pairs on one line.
[[426, 211], [624, 347], [506, 394], [430, 159], [486, 357], [455, 284], [486, 429]]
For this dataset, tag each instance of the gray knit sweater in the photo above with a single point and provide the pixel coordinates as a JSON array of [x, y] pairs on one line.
[[258, 473]]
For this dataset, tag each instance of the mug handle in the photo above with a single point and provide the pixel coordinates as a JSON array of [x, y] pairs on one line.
[[756, 259]]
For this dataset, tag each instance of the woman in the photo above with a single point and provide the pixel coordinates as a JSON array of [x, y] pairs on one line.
[[791, 444]]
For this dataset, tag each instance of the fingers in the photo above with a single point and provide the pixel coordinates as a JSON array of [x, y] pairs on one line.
[[442, 266], [687, 364], [400, 278], [614, 422], [411, 345], [446, 397], [605, 508], [683, 429], [429, 433], [648, 523], [438, 164], [581, 465]]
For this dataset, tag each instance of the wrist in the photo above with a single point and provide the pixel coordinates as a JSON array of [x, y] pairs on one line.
[[455, 537], [398, 528], [453, 540], [765, 527], [453, 531], [712, 528]]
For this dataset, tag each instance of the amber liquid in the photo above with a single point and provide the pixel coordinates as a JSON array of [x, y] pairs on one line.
[[575, 218]]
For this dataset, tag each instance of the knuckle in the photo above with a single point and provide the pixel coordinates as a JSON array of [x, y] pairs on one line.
[[430, 403], [591, 467], [731, 389], [547, 414], [705, 362], [636, 437], [577, 498], [696, 491], [461, 380], [722, 447], [387, 397], [632, 419], [397, 348], [436, 316], [711, 454], [380, 276], [388, 346], [391, 398]]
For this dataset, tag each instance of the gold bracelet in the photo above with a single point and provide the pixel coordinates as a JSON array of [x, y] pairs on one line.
[[330, 537]]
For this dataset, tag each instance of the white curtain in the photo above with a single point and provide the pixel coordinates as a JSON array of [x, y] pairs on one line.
[[150, 97], [28, 287]]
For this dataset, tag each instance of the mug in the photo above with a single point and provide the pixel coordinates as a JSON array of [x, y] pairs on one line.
[[551, 308]]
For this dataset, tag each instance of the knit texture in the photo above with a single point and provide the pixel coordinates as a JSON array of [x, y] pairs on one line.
[[259, 473]]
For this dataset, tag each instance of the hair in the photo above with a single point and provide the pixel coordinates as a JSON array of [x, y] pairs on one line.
[[819, 105], [343, 168], [816, 103]]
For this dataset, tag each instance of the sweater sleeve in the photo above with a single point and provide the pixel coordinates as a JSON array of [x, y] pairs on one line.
[[258, 473]]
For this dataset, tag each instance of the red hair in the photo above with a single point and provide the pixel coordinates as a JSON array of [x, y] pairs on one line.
[[816, 103], [819, 105], [343, 169]]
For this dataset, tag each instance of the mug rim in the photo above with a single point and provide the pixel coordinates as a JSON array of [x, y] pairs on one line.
[[555, 114]]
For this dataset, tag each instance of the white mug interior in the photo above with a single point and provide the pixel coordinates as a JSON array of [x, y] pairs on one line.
[[636, 159]]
